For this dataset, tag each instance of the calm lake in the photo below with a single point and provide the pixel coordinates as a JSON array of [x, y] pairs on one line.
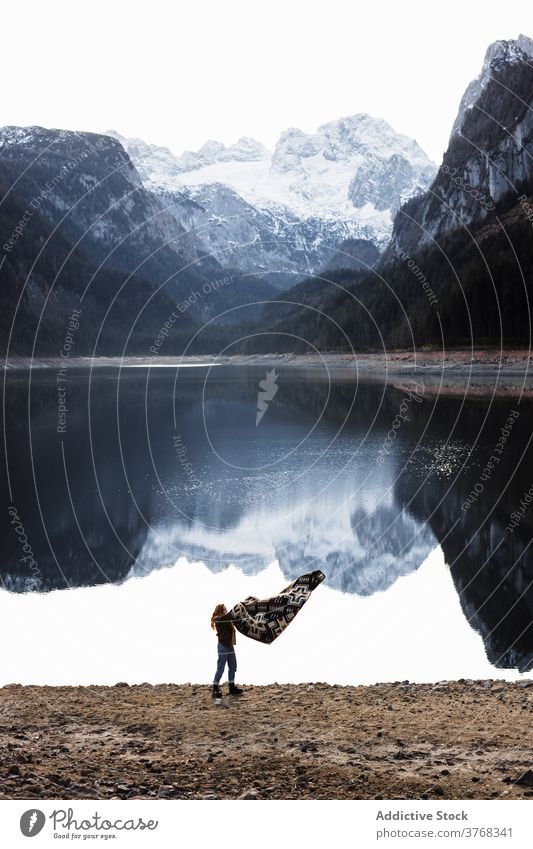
[[133, 501]]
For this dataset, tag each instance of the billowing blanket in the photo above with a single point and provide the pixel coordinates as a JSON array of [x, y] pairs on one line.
[[265, 619]]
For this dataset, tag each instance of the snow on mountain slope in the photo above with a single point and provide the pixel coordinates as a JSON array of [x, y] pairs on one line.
[[280, 247], [356, 169], [317, 190], [159, 168]]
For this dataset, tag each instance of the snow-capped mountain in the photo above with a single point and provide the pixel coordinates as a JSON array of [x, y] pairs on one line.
[[356, 167], [159, 166], [286, 213]]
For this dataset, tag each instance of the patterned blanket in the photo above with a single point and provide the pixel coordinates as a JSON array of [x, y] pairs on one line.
[[265, 619]]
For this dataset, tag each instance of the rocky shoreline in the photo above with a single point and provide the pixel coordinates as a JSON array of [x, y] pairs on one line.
[[453, 740], [483, 374], [464, 361]]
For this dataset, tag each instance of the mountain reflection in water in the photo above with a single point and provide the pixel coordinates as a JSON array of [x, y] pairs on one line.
[[153, 467]]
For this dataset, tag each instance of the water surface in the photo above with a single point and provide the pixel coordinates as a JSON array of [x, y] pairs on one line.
[[157, 494]]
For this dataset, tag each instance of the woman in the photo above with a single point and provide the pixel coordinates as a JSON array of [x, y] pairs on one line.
[[221, 622]]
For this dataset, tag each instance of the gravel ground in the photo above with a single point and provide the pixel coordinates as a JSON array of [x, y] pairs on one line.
[[453, 740]]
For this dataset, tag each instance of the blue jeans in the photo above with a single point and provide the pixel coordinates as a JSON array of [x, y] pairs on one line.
[[226, 654]]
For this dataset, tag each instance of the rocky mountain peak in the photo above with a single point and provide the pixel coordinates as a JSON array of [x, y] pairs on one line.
[[210, 151], [498, 54], [345, 140], [489, 156], [246, 149], [294, 145], [378, 167]]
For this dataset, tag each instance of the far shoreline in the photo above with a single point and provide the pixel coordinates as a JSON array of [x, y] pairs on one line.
[[488, 361], [456, 371]]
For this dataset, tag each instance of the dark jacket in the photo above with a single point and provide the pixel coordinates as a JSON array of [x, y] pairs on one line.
[[225, 630]]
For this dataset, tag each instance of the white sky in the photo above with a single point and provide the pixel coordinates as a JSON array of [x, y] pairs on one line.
[[178, 73]]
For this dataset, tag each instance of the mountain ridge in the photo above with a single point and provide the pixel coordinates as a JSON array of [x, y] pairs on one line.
[[284, 215], [490, 152], [354, 140]]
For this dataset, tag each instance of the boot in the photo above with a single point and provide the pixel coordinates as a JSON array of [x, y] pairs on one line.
[[234, 691], [217, 692]]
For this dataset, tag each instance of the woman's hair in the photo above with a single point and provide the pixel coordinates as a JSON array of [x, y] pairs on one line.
[[218, 611]]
